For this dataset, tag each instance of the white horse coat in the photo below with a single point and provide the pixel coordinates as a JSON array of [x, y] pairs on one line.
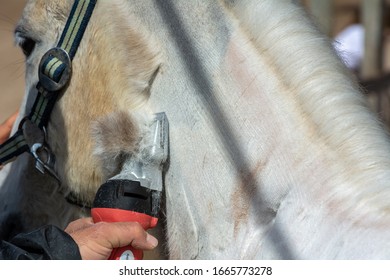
[[273, 152]]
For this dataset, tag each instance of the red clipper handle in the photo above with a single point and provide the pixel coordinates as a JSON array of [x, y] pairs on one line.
[[119, 215]]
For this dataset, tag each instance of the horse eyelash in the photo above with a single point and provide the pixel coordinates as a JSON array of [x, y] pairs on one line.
[[25, 43]]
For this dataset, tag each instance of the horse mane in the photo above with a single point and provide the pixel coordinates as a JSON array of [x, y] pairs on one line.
[[332, 105]]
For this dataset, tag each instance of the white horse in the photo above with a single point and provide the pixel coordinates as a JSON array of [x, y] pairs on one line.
[[273, 152]]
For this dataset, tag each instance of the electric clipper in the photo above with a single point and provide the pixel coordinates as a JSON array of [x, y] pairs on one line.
[[134, 195]]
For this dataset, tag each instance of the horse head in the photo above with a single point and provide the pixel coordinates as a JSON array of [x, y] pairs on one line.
[[106, 96]]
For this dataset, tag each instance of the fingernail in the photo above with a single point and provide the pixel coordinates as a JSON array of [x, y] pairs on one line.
[[151, 240]]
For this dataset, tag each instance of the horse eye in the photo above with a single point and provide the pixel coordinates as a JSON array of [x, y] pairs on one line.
[[27, 45]]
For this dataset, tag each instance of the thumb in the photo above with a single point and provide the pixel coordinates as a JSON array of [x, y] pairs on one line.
[[130, 233]]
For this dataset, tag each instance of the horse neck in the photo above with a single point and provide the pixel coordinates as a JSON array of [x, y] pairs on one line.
[[283, 144]]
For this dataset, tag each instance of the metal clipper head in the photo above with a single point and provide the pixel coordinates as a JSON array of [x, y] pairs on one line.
[[160, 146], [147, 167]]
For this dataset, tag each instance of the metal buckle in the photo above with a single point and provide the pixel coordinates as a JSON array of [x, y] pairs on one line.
[[40, 164], [36, 139], [46, 82], [44, 158]]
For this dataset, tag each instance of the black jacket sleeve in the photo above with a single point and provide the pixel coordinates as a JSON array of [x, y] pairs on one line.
[[46, 243]]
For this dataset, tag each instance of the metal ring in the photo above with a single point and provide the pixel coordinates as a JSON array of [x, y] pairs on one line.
[[44, 165], [34, 151], [46, 82]]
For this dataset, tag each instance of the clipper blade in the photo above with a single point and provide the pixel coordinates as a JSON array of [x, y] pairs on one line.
[[160, 147], [147, 168]]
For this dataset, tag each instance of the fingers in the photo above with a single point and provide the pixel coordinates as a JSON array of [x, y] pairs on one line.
[[10, 121], [78, 225], [96, 240], [123, 234], [6, 127]]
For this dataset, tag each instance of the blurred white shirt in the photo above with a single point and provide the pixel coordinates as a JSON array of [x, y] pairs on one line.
[[349, 45]]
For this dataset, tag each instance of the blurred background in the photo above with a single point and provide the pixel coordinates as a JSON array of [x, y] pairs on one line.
[[11, 59], [360, 30]]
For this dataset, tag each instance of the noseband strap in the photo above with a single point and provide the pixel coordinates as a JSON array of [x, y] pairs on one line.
[[54, 75]]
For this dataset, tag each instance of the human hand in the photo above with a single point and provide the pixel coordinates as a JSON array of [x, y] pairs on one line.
[[6, 127], [96, 241]]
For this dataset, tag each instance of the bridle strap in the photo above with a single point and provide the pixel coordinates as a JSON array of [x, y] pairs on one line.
[[54, 74], [76, 25], [13, 147]]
